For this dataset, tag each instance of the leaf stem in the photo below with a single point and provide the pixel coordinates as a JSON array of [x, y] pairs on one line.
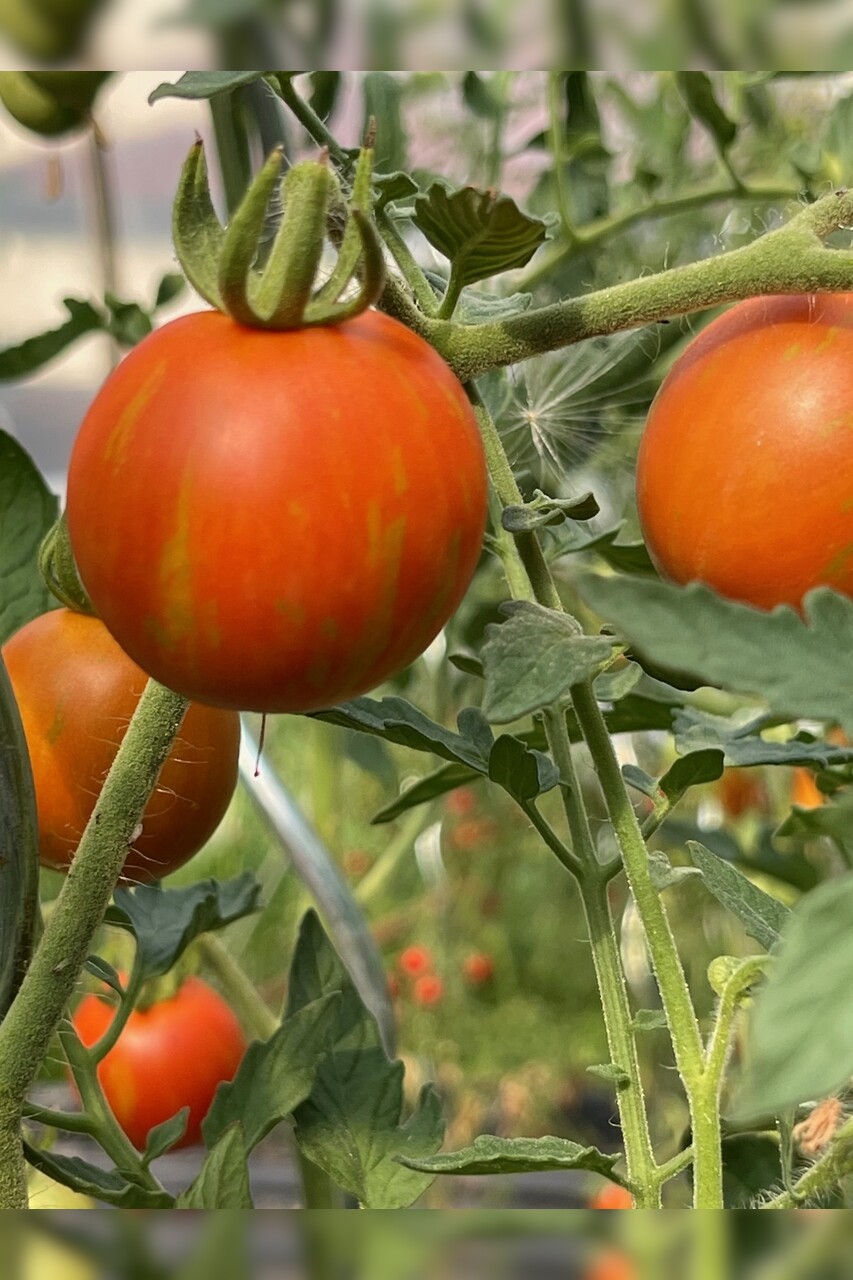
[[308, 118], [823, 1176], [405, 260]]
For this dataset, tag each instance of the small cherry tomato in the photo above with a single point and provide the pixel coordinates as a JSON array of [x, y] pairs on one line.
[[415, 961], [173, 1054], [428, 989], [478, 968], [612, 1196]]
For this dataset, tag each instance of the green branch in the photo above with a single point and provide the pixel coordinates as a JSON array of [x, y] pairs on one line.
[[50, 980], [791, 259]]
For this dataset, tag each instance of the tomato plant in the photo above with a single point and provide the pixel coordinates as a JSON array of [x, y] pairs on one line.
[[299, 601], [76, 691], [744, 469], [173, 1054]]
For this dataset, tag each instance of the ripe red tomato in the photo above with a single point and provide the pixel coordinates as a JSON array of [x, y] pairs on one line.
[[612, 1196], [742, 791], [277, 521], [171, 1055], [745, 467], [611, 1264], [76, 692], [415, 961], [478, 968], [428, 990]]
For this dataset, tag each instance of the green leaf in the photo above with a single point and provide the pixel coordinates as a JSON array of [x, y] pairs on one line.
[[739, 737], [648, 1020], [30, 355], [104, 972], [203, 84], [480, 233], [391, 187], [542, 511], [479, 97], [610, 1072], [324, 92], [223, 1180], [128, 323], [525, 774], [446, 778], [383, 95], [691, 771], [641, 781], [833, 820], [27, 511], [751, 1164], [625, 557], [488, 1154], [533, 658], [698, 93], [171, 286], [762, 916], [165, 921], [664, 875], [477, 307], [800, 666], [89, 1180], [352, 1124], [164, 1136], [762, 857], [398, 721], [274, 1076], [610, 686], [801, 1028]]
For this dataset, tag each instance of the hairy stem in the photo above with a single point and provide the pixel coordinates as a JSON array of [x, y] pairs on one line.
[[675, 995], [791, 259], [49, 982]]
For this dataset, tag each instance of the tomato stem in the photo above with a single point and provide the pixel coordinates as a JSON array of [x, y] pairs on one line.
[[49, 982], [790, 259]]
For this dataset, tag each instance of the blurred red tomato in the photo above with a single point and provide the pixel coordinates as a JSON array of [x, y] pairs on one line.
[[742, 791], [461, 803], [613, 1264], [429, 989], [415, 960], [478, 968], [173, 1054], [357, 862], [473, 833], [804, 790], [612, 1197]]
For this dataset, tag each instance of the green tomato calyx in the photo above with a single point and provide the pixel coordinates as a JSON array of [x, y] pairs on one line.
[[279, 290]]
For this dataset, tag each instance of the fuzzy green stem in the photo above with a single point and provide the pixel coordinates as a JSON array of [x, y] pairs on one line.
[[608, 971], [675, 995], [49, 983], [308, 118], [643, 1174], [13, 1166], [593, 234], [791, 259], [557, 138], [405, 260], [232, 144], [104, 1126], [823, 1176]]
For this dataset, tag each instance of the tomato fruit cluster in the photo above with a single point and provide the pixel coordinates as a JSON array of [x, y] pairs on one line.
[[745, 468], [76, 691], [171, 1055], [277, 521]]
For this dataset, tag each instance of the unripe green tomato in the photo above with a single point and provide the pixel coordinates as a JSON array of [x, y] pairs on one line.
[[46, 32], [77, 89], [35, 108]]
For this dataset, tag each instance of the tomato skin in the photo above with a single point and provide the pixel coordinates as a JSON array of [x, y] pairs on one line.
[[171, 1055], [277, 521], [76, 692], [745, 468], [612, 1197], [415, 960]]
